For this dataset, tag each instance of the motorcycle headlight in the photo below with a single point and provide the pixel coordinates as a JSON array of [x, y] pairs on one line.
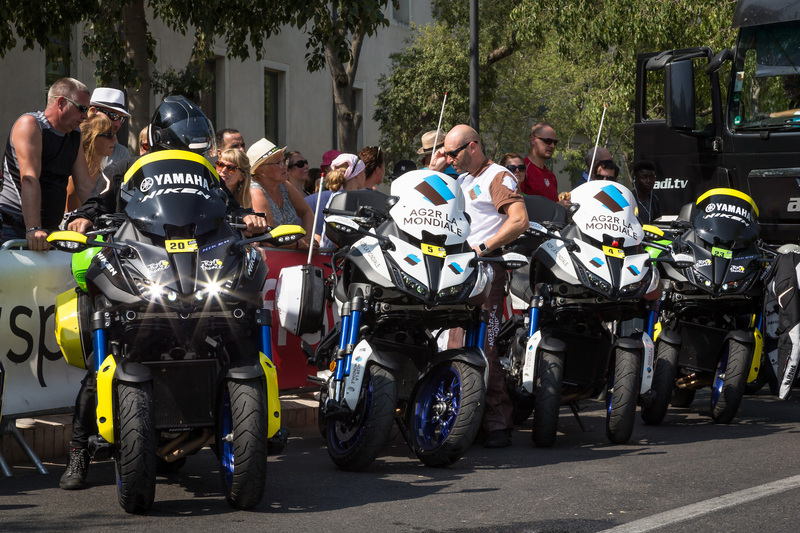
[[593, 281], [409, 283], [155, 292]]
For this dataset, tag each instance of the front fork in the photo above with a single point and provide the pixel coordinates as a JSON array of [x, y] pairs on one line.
[[351, 324]]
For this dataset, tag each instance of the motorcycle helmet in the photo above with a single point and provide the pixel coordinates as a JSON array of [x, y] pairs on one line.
[[178, 124]]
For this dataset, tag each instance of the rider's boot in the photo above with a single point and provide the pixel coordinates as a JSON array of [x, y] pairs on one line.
[[74, 477]]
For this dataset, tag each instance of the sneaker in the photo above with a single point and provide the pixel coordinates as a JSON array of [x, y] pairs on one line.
[[498, 438], [74, 477]]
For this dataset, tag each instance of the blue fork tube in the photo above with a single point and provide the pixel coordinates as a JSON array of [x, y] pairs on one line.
[[652, 318], [344, 334], [533, 316], [352, 338], [99, 346], [266, 341]]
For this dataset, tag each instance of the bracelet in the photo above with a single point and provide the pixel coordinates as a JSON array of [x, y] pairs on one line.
[[34, 228]]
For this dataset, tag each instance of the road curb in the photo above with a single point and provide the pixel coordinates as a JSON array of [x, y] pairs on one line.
[[49, 435]]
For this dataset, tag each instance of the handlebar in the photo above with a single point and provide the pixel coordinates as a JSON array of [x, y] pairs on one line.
[[21, 244]]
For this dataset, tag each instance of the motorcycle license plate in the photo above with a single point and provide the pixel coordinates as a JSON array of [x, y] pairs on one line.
[[436, 251], [614, 252], [177, 246]]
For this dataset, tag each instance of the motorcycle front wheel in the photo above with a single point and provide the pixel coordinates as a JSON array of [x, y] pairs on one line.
[[242, 441], [446, 413], [729, 382], [355, 440], [548, 399], [135, 455], [622, 396], [663, 384]]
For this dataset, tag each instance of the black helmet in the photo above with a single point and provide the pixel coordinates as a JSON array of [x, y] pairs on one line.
[[178, 124]]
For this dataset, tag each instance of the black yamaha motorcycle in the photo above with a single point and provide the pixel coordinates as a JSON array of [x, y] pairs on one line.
[[715, 302], [169, 316]]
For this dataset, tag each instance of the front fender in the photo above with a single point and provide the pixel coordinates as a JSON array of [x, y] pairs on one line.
[[111, 371]]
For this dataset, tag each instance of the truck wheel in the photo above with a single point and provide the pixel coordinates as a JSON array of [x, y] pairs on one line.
[[548, 398], [663, 383], [135, 456], [355, 441], [729, 382], [622, 396], [446, 413], [242, 441]]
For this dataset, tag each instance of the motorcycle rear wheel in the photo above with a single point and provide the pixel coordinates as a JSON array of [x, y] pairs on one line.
[[355, 441], [622, 396], [135, 455], [242, 441], [729, 382], [547, 399], [663, 384], [446, 413]]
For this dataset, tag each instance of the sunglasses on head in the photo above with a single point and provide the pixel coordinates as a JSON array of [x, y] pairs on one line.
[[514, 168], [82, 108], [222, 165], [112, 115], [299, 164], [547, 140], [108, 135], [378, 148]]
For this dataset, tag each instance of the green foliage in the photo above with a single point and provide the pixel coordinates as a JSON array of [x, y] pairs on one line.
[[572, 58]]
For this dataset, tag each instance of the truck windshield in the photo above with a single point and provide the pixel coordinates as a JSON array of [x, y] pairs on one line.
[[766, 85]]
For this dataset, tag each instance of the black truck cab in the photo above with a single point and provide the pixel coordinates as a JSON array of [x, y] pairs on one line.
[[707, 124]]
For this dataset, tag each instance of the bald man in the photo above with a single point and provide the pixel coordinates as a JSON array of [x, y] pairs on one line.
[[498, 216]]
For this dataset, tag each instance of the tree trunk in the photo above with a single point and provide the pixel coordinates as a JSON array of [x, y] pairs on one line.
[[136, 46], [348, 119]]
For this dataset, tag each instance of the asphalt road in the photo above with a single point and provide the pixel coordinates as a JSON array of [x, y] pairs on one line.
[[688, 474]]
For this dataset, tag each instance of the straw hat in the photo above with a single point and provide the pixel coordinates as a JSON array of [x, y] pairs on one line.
[[263, 151], [428, 138]]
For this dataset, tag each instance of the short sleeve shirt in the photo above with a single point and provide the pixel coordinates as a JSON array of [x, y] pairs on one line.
[[539, 181], [488, 196]]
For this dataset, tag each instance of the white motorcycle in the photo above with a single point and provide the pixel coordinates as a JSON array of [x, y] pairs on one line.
[[403, 273]]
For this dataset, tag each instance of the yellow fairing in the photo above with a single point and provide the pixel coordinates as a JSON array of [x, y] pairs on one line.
[[286, 229], [754, 366], [105, 399], [273, 402], [68, 329]]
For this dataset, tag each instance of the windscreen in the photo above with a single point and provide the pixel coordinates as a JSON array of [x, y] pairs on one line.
[[766, 84]]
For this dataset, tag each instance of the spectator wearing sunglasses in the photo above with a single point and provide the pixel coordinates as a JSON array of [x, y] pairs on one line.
[[233, 167], [297, 167], [600, 154], [42, 151], [515, 164], [540, 180], [98, 139], [111, 103], [372, 156]]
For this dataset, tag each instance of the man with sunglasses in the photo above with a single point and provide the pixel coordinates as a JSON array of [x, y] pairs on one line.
[[498, 216], [111, 103], [540, 180], [597, 155], [43, 150]]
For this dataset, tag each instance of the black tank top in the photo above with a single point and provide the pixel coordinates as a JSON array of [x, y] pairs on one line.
[[59, 152]]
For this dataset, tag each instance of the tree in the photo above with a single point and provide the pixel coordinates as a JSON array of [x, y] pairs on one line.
[[118, 39], [437, 61], [569, 60]]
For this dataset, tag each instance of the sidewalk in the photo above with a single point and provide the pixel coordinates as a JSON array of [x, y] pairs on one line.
[[50, 435]]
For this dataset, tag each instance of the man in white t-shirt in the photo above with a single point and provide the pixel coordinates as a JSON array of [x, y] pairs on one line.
[[498, 216]]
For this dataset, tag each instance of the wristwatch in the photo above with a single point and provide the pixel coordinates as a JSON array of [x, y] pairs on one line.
[[482, 248]]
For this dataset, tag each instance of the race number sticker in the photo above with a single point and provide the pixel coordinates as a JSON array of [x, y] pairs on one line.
[[614, 252], [436, 251], [177, 246]]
